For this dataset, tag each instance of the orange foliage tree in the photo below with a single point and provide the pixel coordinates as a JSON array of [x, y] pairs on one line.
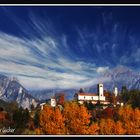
[[130, 119], [108, 112], [118, 128], [110, 127], [51, 121], [77, 119], [106, 126], [136, 120], [60, 98]]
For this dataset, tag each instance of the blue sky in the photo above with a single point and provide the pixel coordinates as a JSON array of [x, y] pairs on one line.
[[67, 47]]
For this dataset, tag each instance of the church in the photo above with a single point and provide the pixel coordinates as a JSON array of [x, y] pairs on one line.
[[81, 97]]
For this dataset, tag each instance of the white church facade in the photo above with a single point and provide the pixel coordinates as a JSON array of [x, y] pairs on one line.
[[92, 97]]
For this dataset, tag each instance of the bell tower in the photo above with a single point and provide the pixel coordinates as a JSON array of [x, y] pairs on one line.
[[100, 90], [115, 91]]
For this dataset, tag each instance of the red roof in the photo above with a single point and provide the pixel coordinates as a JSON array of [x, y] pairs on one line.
[[53, 97], [87, 94]]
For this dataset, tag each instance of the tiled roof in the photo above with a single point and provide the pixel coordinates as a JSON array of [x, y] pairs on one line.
[[87, 94]]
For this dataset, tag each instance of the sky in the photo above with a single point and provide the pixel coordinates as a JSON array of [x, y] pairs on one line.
[[67, 46]]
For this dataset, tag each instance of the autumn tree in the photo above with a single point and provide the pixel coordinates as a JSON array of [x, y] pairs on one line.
[[136, 120], [77, 119], [51, 121], [93, 129], [109, 127], [113, 99], [108, 112], [130, 119], [60, 98], [107, 95], [118, 128], [106, 126]]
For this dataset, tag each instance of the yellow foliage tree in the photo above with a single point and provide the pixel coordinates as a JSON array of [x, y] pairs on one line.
[[77, 119], [106, 126], [51, 121], [93, 129], [130, 119], [136, 120], [118, 128]]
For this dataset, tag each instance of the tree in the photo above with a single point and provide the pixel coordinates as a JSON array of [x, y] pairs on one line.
[[60, 98], [36, 118], [113, 99], [107, 95], [51, 121], [1, 109], [118, 128], [13, 106], [136, 120], [106, 126], [124, 94], [77, 119], [32, 107], [89, 105], [93, 129], [81, 90], [134, 98], [21, 118], [108, 113], [130, 119], [25, 116], [17, 118]]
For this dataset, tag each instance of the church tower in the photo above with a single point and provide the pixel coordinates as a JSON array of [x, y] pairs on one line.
[[100, 90], [115, 91]]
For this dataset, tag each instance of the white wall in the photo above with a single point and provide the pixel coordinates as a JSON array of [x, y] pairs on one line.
[[80, 102], [84, 97], [101, 90], [102, 98], [116, 91], [53, 102]]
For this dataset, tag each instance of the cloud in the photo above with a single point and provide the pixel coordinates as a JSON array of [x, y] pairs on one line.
[[43, 57], [34, 64], [102, 69]]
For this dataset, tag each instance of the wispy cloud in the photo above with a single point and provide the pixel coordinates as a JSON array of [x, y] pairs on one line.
[[43, 57], [44, 62]]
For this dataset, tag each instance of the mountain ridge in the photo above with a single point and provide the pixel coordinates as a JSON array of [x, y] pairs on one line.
[[118, 76], [12, 90]]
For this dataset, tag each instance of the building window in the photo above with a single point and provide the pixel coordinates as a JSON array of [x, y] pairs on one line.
[[92, 98], [84, 97]]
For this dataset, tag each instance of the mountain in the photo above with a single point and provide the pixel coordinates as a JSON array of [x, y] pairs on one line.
[[42, 95], [136, 85], [12, 90], [119, 76]]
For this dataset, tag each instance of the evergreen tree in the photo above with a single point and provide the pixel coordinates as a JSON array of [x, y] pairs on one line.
[[124, 94], [81, 90], [36, 118]]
